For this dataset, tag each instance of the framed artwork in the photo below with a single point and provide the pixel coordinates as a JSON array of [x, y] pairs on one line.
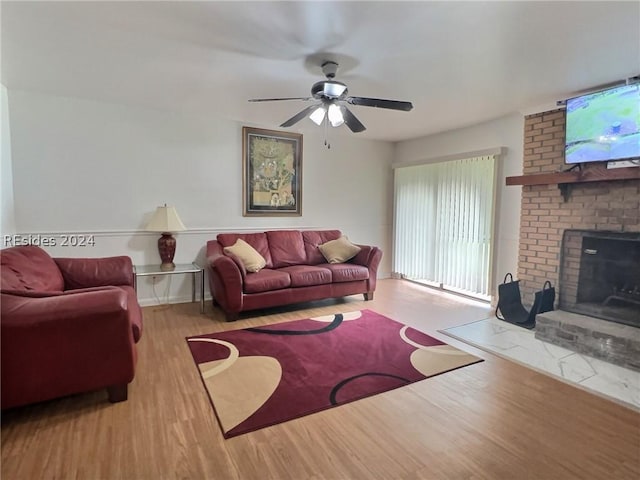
[[271, 173]]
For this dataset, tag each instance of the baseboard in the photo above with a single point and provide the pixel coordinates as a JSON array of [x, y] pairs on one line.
[[152, 301]]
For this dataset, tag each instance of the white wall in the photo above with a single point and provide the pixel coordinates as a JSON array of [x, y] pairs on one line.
[[82, 166], [504, 132], [7, 216]]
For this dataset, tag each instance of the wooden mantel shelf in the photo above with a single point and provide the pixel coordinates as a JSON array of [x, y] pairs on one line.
[[594, 174]]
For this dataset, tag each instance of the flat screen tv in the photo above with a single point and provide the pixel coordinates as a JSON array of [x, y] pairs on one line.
[[604, 125]]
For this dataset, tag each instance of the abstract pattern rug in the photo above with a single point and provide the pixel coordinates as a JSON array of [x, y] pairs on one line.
[[257, 377]]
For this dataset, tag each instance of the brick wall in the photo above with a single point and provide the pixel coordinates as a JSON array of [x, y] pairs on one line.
[[606, 205]]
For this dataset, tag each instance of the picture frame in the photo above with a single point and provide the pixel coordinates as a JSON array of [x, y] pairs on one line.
[[271, 173]]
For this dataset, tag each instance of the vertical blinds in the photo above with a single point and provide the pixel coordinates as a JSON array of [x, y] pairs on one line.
[[444, 223]]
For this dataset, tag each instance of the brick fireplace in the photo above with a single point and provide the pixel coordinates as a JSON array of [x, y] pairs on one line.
[[612, 205], [583, 215], [600, 275]]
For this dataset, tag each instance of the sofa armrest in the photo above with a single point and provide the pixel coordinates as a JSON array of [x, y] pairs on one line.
[[43, 294], [95, 272], [226, 281], [63, 344], [40, 308], [239, 264], [367, 257], [373, 262], [227, 269], [135, 314]]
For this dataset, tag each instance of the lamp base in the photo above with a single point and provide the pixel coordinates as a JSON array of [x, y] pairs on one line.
[[167, 250]]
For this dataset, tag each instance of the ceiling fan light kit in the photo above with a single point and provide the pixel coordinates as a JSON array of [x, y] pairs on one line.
[[333, 97], [318, 115], [335, 115]]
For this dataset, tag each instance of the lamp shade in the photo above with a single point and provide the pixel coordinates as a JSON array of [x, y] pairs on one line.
[[165, 219], [335, 115], [318, 115]]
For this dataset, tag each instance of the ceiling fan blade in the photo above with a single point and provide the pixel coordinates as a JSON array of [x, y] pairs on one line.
[[279, 99], [299, 116], [352, 122], [380, 103]]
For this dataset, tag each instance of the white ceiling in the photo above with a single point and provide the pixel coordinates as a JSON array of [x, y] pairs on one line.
[[460, 63]]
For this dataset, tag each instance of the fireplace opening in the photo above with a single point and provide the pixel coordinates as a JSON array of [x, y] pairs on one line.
[[600, 275]]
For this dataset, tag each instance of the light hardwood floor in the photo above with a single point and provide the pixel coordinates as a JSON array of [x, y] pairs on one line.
[[492, 420]]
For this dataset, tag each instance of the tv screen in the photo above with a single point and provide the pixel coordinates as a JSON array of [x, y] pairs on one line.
[[604, 125]]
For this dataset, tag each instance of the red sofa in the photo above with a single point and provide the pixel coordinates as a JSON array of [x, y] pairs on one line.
[[295, 271], [68, 325]]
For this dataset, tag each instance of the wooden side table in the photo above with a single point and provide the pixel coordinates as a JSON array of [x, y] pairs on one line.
[[181, 268]]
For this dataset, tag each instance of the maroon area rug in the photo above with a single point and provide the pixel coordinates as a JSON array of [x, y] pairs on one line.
[[257, 377]]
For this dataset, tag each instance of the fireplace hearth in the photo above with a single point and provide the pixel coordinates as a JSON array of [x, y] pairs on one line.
[[609, 341], [599, 297], [600, 275]]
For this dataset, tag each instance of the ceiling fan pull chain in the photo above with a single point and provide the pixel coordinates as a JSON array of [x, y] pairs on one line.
[[326, 132]]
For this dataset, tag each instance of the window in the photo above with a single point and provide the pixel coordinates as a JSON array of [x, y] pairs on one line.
[[443, 230]]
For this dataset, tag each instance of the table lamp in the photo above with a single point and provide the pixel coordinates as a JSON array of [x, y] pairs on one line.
[[166, 220]]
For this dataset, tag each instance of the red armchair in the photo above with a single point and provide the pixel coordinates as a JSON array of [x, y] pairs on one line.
[[68, 325]]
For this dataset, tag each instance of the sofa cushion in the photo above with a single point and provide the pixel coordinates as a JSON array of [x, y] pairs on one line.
[[27, 268], [287, 248], [266, 280], [250, 258], [307, 275], [339, 250], [313, 238], [347, 272], [256, 240]]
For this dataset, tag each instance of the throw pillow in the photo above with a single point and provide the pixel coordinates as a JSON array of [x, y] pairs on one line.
[[250, 258], [339, 251]]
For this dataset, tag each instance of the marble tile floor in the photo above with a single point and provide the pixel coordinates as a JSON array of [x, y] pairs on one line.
[[519, 344]]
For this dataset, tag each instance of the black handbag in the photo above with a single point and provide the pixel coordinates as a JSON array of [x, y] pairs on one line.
[[510, 303], [544, 299]]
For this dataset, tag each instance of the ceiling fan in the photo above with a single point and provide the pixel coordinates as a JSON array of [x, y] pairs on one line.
[[330, 103]]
